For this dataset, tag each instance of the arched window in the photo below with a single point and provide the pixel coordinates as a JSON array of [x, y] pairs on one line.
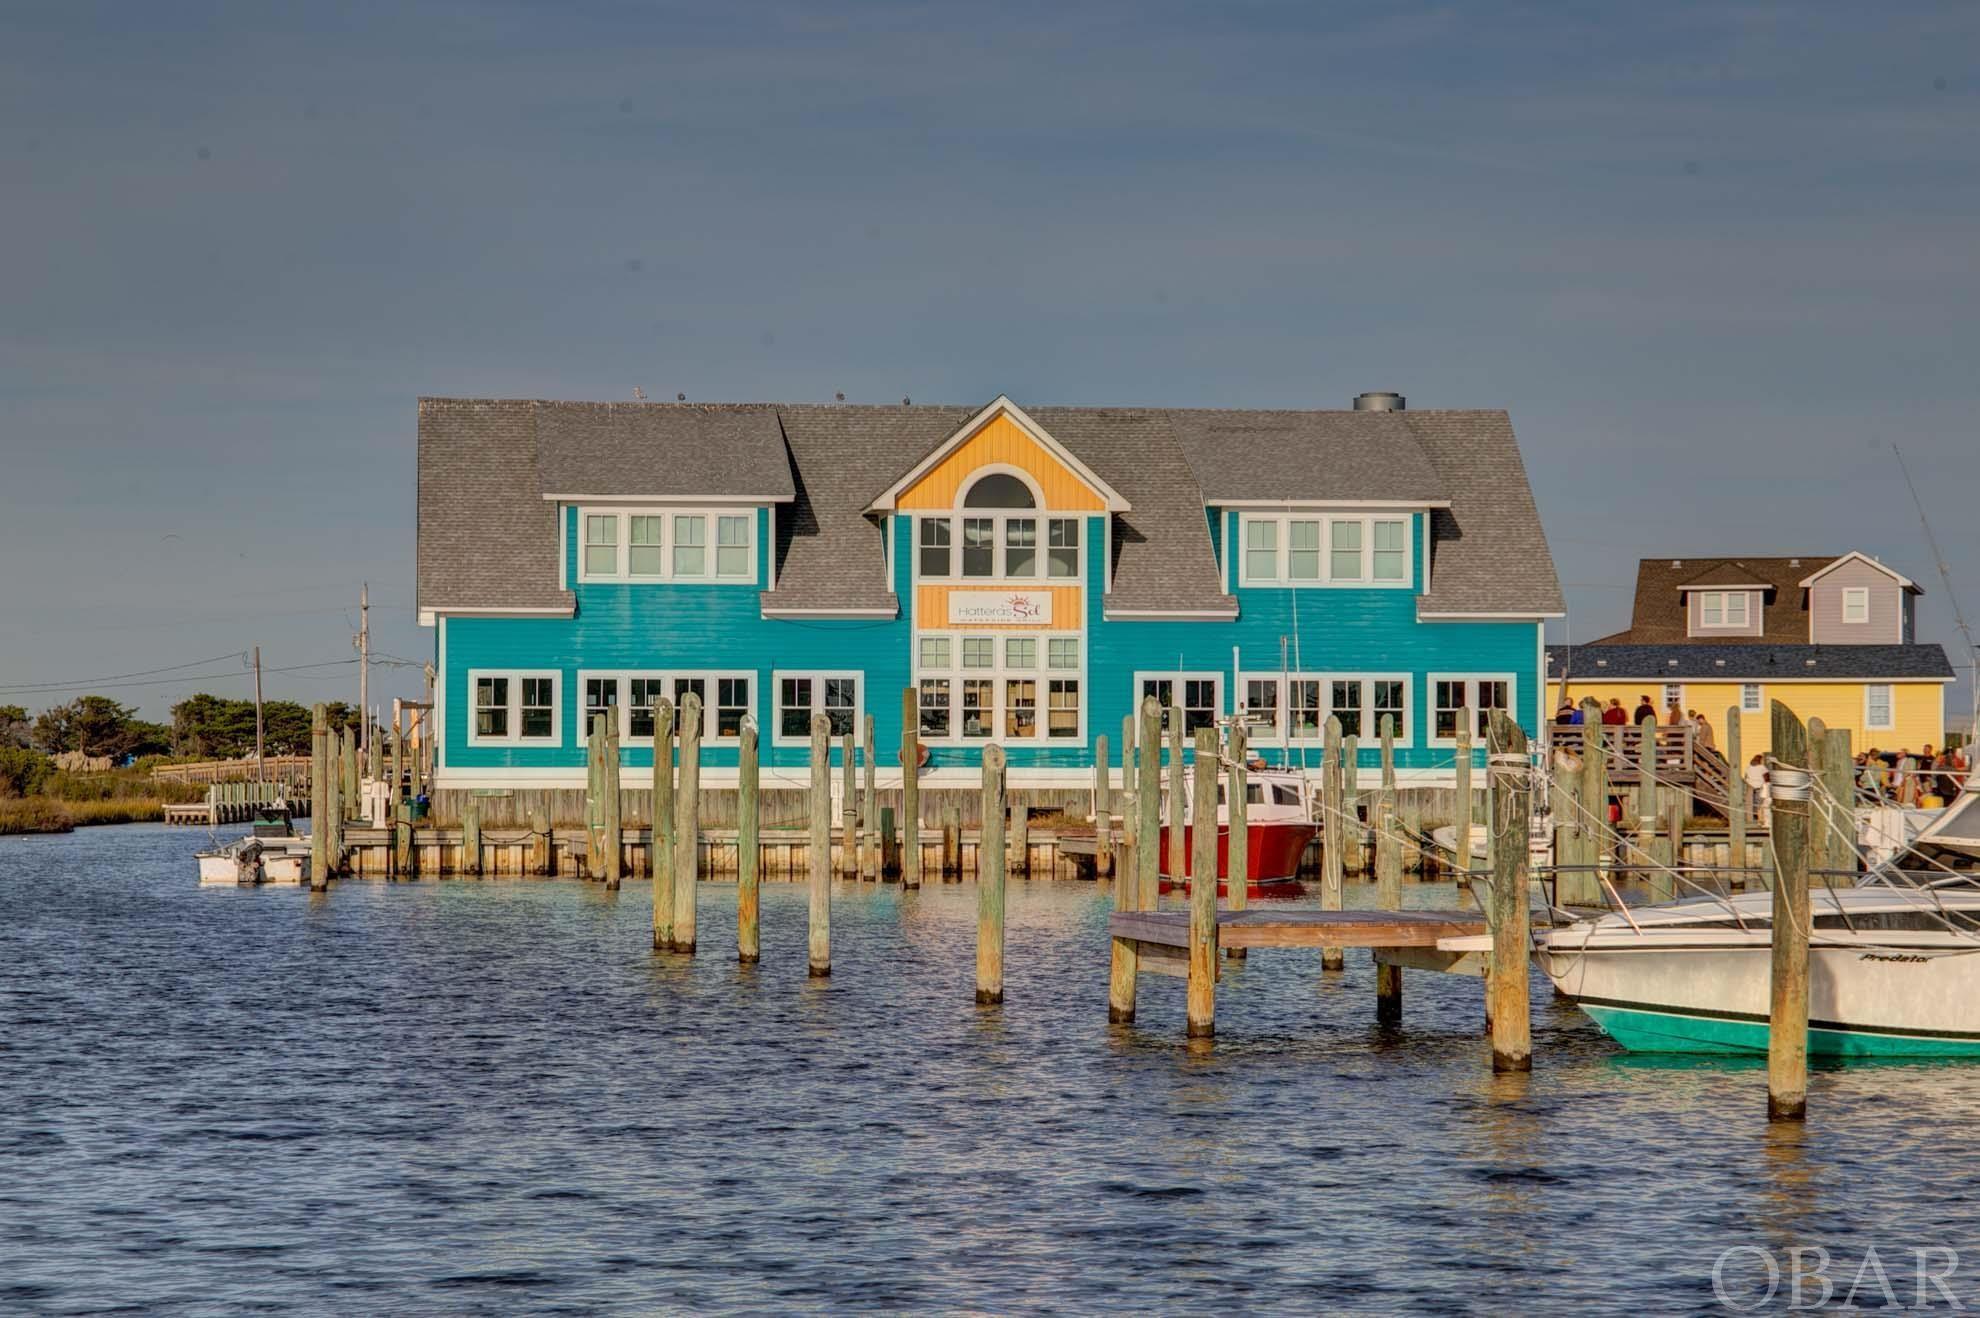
[[999, 489]]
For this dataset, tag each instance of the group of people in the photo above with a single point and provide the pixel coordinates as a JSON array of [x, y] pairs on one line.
[[1615, 716], [1907, 779]]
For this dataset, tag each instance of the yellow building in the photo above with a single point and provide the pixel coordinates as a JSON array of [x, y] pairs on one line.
[[1830, 637]]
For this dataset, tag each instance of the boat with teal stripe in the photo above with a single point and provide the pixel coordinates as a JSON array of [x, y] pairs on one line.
[[1894, 972]]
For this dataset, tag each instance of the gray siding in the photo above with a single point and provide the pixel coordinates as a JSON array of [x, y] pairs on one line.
[[1825, 607], [1694, 605]]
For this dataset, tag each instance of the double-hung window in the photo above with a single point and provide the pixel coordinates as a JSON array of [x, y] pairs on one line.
[[979, 546], [993, 688], [601, 698], [935, 694], [1856, 604], [934, 536], [1724, 608], [1062, 549], [1346, 705], [1752, 698], [1198, 695], [1307, 700], [1878, 714], [1449, 694], [800, 695], [1261, 705], [1062, 719], [1347, 549], [633, 701], [667, 545], [513, 707]]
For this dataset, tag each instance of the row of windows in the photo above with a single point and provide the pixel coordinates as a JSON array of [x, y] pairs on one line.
[[939, 652], [1000, 704], [1000, 545], [1283, 550], [669, 546]]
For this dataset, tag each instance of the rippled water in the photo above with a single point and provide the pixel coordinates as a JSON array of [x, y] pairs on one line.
[[462, 1096]]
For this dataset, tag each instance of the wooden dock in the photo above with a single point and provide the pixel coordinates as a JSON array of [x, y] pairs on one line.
[[1160, 939]]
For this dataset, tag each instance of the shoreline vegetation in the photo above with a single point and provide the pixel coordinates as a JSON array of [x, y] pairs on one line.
[[40, 814]]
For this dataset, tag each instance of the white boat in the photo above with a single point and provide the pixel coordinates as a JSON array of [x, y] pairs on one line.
[[236, 862], [1955, 833], [1894, 971]]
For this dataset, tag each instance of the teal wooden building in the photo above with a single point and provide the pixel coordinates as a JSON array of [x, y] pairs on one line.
[[1028, 575]]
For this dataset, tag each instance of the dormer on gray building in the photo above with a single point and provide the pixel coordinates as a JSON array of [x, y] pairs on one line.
[[1856, 600]]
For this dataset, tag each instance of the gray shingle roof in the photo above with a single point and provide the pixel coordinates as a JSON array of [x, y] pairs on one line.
[[1746, 663], [487, 539], [676, 450], [1658, 615], [1488, 551], [1314, 455]]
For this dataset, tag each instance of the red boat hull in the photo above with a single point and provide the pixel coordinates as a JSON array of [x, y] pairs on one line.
[[1273, 853]]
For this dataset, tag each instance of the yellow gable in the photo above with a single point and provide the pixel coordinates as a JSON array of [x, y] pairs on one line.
[[1001, 442]]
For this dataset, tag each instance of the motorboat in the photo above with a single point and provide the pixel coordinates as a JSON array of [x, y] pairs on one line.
[[232, 863], [1953, 834], [1894, 970], [1279, 826], [272, 852]]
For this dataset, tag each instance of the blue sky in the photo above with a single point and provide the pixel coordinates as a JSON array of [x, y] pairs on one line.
[[1715, 259]]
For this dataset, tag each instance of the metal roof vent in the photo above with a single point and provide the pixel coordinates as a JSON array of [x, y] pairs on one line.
[[1380, 401]]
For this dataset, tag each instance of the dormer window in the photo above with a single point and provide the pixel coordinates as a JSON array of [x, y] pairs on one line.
[[1725, 608]]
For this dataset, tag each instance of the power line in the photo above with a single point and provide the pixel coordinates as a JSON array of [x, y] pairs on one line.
[[174, 681], [118, 677]]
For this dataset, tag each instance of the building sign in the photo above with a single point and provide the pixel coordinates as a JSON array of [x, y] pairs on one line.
[[976, 608]]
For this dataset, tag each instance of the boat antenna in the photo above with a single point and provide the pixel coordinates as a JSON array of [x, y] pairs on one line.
[[1959, 614]]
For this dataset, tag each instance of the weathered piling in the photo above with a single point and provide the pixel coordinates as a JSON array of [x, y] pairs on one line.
[[910, 790], [1506, 987], [594, 802], [539, 841], [1832, 817], [1103, 808], [1334, 832], [1202, 998], [332, 825], [869, 809], [1135, 888], [1591, 821], [470, 836], [687, 826], [1790, 786], [348, 782], [1656, 877], [1237, 870], [1178, 857], [1353, 836], [820, 923], [319, 789], [990, 883], [374, 755], [1462, 809], [849, 807], [952, 843], [611, 832], [1388, 880], [748, 938], [1020, 838], [1737, 804], [663, 824]]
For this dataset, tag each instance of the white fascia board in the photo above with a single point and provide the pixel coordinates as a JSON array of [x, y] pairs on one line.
[[1000, 404], [670, 500], [1858, 556], [559, 612], [831, 613], [1486, 617], [1170, 615], [1416, 505]]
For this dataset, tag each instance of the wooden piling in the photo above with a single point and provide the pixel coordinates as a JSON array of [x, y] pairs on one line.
[[1334, 832], [663, 824], [594, 802], [332, 824], [1202, 998], [1648, 814], [869, 809], [952, 843], [1462, 808], [1591, 821], [1178, 857], [471, 836], [748, 938], [820, 923], [1839, 808], [1353, 836], [1506, 986], [353, 800], [539, 841], [1137, 889], [910, 790], [1103, 808], [319, 789], [1738, 807], [1787, 1016], [1388, 879], [687, 826], [611, 830], [990, 883], [1020, 838], [1237, 871], [849, 807]]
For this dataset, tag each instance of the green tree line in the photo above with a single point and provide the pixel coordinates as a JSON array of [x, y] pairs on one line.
[[203, 727]]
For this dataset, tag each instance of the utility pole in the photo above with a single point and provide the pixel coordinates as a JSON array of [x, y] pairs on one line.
[[364, 665], [260, 739]]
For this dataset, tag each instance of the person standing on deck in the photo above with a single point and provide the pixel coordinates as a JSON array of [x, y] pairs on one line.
[[1704, 727], [1645, 711], [1756, 787], [1565, 715], [1615, 716]]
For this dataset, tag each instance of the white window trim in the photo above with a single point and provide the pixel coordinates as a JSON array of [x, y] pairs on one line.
[[1179, 676], [774, 699], [1370, 735], [1471, 681], [514, 736], [1042, 515], [1890, 704], [1664, 690], [1325, 580], [1759, 698], [667, 676], [998, 671], [1725, 598], [623, 574], [1856, 595]]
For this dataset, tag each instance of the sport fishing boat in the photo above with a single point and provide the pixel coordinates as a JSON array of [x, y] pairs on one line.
[[1278, 827], [1894, 971]]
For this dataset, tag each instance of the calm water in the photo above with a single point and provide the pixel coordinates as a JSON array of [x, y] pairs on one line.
[[477, 1096]]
